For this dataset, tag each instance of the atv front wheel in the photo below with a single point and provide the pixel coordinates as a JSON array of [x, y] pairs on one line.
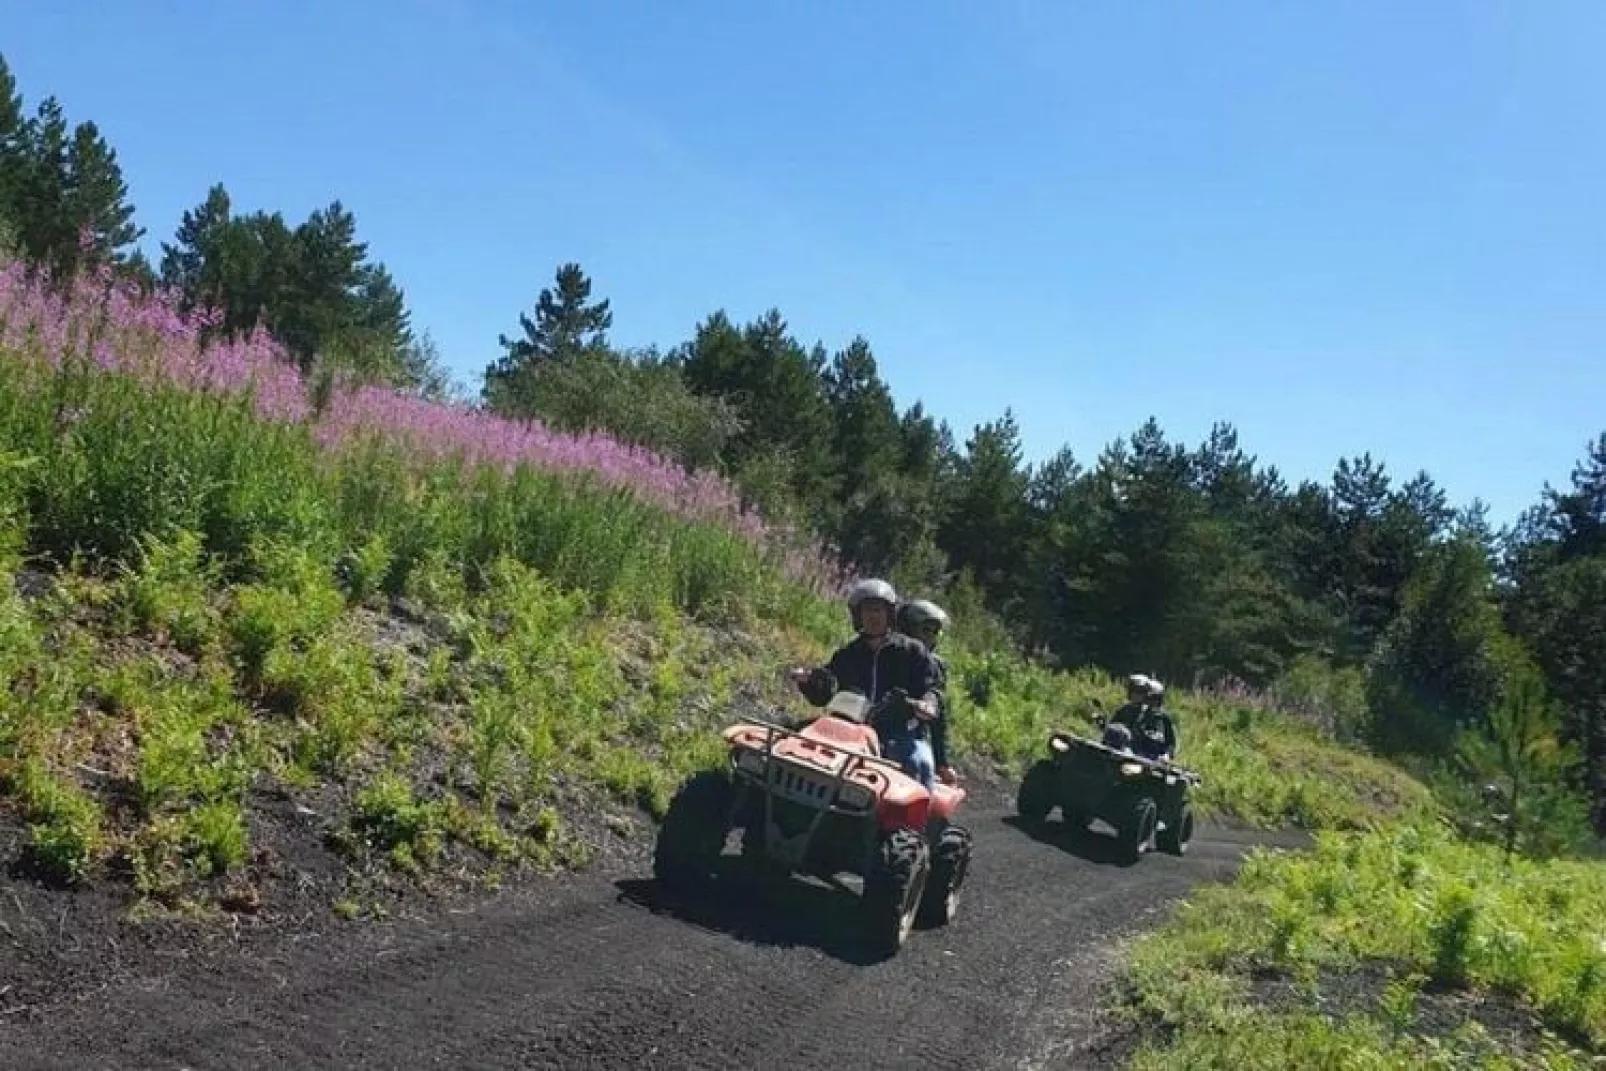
[[693, 834], [949, 865], [893, 888], [1178, 831], [1037, 791], [1137, 827]]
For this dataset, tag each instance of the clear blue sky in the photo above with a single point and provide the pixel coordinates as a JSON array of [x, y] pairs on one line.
[[1343, 227]]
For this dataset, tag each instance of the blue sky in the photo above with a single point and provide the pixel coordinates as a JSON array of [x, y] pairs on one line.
[[1342, 227]]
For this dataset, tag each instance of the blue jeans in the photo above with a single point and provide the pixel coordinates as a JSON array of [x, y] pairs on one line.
[[914, 754]]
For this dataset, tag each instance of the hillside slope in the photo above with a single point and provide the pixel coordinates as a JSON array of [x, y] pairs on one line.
[[259, 743], [273, 653], [1401, 947], [425, 626]]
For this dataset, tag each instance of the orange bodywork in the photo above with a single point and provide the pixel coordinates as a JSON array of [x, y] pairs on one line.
[[828, 744]]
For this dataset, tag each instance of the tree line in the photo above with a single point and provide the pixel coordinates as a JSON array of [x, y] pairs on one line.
[[1402, 621]]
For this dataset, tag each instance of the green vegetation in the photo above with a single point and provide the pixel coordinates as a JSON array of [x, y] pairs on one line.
[[147, 713], [207, 606], [1198, 563], [1260, 766], [1401, 947], [235, 610], [267, 588], [1462, 934]]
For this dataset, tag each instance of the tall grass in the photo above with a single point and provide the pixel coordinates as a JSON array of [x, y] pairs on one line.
[[1401, 931], [139, 428], [202, 499], [1260, 766]]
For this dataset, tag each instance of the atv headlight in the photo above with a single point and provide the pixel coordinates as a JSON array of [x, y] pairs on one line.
[[1059, 744], [750, 761], [856, 797], [1131, 769]]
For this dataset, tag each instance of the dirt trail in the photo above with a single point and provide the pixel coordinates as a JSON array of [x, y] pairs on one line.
[[593, 971]]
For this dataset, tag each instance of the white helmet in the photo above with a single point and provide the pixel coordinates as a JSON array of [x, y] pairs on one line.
[[871, 589], [1140, 683]]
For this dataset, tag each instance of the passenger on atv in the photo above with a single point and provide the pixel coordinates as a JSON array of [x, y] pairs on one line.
[[924, 620], [875, 663], [1143, 725]]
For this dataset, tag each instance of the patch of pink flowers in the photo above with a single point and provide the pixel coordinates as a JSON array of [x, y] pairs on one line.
[[116, 327]]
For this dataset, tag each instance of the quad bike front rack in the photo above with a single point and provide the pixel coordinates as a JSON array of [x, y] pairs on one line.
[[790, 850], [1168, 769]]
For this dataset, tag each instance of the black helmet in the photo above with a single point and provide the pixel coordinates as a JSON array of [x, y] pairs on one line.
[[918, 615]]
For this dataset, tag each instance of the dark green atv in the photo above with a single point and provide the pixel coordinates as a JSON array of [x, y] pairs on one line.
[[1145, 801]]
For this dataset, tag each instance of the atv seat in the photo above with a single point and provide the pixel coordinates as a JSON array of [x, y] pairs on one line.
[[844, 734]]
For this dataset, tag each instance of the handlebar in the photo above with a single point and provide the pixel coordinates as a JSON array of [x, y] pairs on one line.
[[800, 675]]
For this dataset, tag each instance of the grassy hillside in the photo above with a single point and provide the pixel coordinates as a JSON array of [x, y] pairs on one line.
[[1260, 765], [1402, 947], [163, 730], [417, 625], [262, 630], [278, 648]]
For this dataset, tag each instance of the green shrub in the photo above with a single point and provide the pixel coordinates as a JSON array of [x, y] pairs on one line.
[[1414, 898]]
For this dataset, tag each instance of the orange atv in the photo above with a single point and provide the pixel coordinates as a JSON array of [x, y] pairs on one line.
[[821, 801]]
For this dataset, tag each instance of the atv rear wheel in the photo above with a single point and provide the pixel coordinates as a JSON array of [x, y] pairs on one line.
[[1037, 792], [1178, 831], [693, 834], [893, 888], [949, 865], [1137, 826]]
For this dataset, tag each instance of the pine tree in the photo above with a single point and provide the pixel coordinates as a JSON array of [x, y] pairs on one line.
[[1578, 517], [1519, 745], [985, 526], [1556, 601], [59, 184], [312, 286], [867, 451], [96, 202], [11, 155], [44, 234], [192, 264], [567, 323], [784, 454], [1436, 670]]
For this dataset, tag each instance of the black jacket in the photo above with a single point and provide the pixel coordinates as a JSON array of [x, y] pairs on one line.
[[1153, 731], [900, 662]]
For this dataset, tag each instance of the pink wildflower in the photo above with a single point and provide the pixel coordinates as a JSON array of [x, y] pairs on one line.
[[115, 327]]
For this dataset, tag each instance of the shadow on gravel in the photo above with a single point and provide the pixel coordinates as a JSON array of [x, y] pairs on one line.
[[1093, 845], [776, 912]]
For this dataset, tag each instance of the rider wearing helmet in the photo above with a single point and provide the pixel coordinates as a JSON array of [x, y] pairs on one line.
[[1118, 730], [875, 662], [1153, 732], [924, 620], [1137, 694]]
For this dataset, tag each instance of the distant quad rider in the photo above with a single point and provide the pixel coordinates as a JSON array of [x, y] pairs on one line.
[[1137, 695], [1143, 724], [874, 663], [925, 621]]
